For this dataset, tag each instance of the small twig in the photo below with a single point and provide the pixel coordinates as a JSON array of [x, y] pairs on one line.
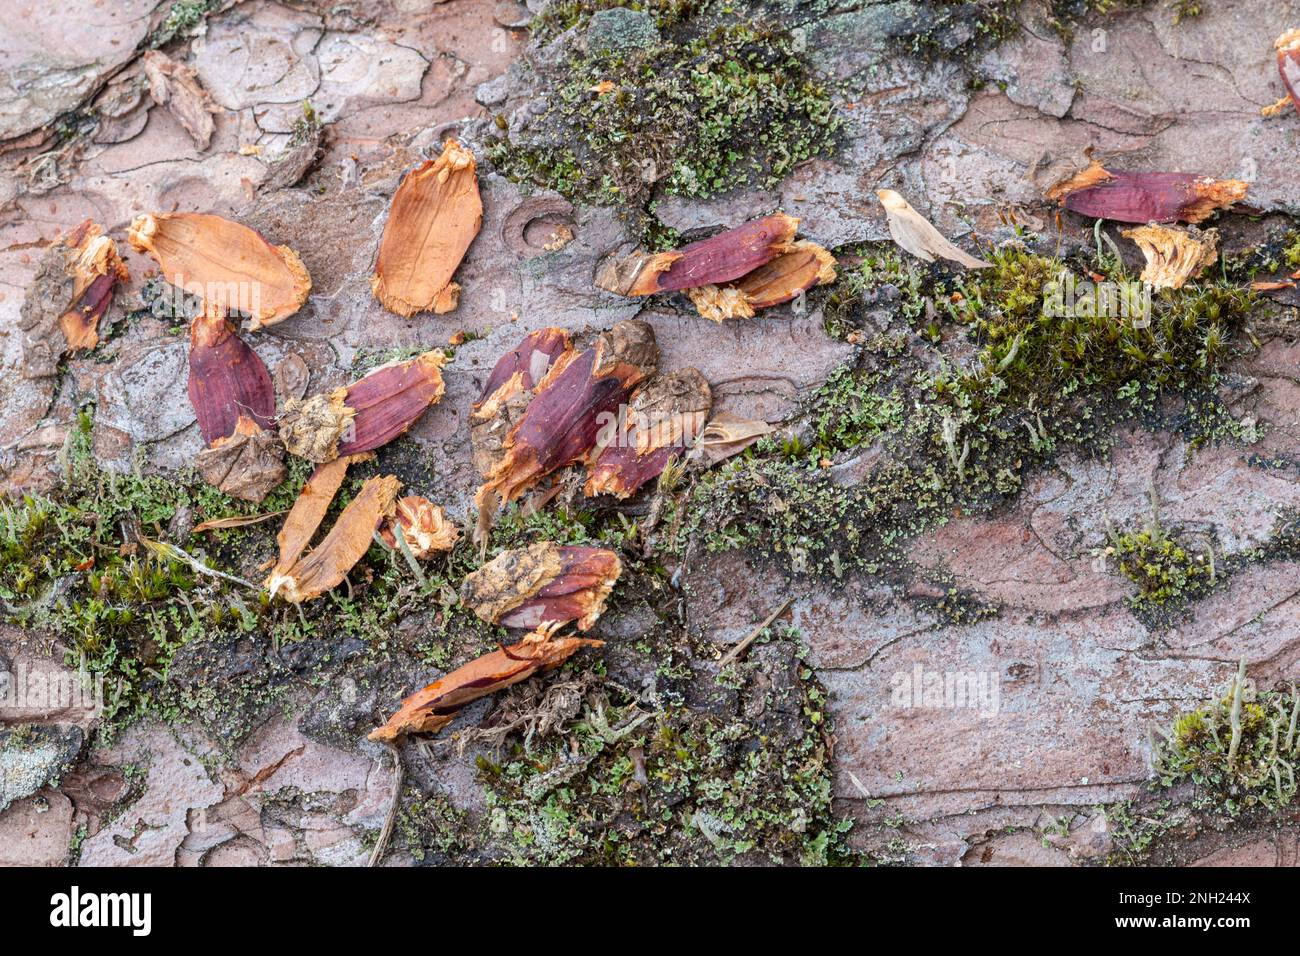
[[381, 843], [732, 654]]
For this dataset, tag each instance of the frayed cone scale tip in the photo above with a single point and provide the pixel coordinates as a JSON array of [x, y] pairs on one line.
[[542, 587], [231, 267], [424, 527], [1174, 255], [435, 215]]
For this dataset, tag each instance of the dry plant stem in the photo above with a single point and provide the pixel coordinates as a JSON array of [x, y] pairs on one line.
[[229, 266], [752, 636], [167, 550], [436, 214], [1234, 715], [386, 831], [234, 521]]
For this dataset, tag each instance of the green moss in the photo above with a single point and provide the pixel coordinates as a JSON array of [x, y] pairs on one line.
[[72, 562], [623, 786], [713, 100], [853, 409], [1239, 750], [182, 20], [964, 383], [1164, 571]]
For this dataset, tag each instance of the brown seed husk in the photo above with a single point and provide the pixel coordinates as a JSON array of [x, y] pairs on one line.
[[176, 86], [663, 420], [423, 525], [564, 420], [246, 464], [785, 277], [229, 266], [326, 565], [722, 258], [429, 710], [726, 436], [543, 586], [71, 292], [309, 510], [436, 214], [1174, 255], [914, 233]]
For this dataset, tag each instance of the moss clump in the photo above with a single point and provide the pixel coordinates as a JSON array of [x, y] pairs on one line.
[[713, 100], [183, 18], [745, 780], [1239, 750], [1164, 571], [161, 632], [963, 384]]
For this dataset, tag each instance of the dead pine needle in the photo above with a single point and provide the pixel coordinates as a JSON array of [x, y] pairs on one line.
[[386, 831], [752, 636]]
